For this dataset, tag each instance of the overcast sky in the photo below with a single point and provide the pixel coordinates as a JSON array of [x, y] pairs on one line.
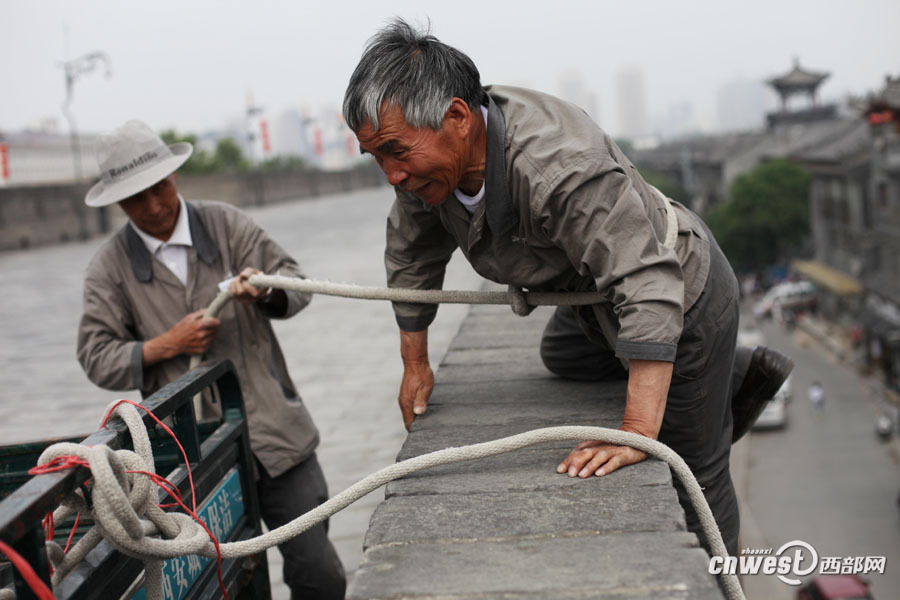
[[190, 65]]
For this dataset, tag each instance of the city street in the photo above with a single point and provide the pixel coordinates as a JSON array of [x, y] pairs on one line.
[[826, 479], [343, 354]]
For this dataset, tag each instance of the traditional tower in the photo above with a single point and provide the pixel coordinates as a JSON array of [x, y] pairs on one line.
[[799, 81]]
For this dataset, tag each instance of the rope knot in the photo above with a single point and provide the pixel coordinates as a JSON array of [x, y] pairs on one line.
[[518, 302]]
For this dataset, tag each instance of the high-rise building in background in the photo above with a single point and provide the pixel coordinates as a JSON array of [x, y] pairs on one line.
[[679, 120], [630, 88], [573, 88], [742, 104]]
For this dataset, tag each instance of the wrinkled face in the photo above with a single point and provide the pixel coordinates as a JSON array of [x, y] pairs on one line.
[[423, 162], [154, 210]]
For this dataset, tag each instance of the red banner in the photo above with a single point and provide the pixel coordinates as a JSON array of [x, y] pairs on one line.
[[318, 147], [264, 136], [4, 161]]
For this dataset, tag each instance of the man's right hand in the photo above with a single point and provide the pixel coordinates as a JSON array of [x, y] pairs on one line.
[[193, 334], [415, 390], [418, 378]]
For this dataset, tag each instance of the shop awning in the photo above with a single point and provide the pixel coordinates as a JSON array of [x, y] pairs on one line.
[[821, 274]]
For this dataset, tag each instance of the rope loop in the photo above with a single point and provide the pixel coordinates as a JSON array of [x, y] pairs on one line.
[[518, 302]]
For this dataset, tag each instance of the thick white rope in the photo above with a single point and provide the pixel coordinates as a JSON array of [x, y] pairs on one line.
[[126, 514], [346, 290]]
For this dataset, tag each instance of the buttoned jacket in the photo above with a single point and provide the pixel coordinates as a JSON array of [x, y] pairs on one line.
[[130, 297], [564, 210]]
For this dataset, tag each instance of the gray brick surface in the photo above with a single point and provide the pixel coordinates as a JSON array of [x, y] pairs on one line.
[[509, 526], [625, 565]]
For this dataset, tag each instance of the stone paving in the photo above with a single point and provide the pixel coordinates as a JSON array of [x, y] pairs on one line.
[[343, 354], [509, 526]]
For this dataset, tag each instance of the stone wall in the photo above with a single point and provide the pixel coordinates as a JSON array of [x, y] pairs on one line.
[[42, 215], [509, 526]]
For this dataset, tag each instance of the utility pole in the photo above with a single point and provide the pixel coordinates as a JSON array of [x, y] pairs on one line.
[[73, 69]]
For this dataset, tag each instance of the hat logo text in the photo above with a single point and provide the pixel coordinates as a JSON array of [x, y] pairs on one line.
[[140, 160]]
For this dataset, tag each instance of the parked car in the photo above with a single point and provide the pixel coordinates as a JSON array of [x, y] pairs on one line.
[[774, 415], [787, 296], [836, 587]]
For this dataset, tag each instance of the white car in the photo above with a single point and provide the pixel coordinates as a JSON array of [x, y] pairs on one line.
[[774, 415], [786, 295]]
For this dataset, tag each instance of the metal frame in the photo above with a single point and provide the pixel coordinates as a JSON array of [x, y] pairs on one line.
[[107, 573]]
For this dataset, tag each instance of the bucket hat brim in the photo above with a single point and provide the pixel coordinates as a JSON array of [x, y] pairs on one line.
[[104, 193]]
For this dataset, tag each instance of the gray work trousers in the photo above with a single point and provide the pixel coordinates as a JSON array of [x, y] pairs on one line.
[[312, 569], [708, 367]]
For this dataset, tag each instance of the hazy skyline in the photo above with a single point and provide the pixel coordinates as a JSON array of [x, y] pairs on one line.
[[190, 65]]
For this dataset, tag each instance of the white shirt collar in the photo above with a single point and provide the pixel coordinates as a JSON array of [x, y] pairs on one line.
[[181, 235], [471, 202]]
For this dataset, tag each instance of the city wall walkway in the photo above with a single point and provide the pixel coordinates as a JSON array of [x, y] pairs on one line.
[[509, 526]]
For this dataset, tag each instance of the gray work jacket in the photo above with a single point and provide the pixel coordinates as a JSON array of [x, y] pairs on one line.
[[564, 210], [130, 297]]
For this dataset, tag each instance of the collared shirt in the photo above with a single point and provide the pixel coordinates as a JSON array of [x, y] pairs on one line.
[[471, 202], [564, 210], [130, 298], [173, 253]]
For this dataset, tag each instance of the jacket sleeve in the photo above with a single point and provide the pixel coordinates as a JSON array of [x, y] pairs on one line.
[[416, 254], [107, 347], [252, 247], [597, 217]]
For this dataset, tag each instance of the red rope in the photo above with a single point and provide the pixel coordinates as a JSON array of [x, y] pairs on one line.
[[72, 533], [62, 463], [167, 430], [48, 525], [168, 487], [37, 585]]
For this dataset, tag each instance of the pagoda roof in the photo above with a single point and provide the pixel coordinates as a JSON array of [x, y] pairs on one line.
[[798, 79]]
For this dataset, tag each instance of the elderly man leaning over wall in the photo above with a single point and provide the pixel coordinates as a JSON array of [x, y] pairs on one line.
[[537, 196]]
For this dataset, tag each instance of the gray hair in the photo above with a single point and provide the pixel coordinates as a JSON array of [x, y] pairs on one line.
[[412, 70]]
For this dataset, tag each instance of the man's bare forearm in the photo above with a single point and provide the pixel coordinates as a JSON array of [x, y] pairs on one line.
[[648, 388]]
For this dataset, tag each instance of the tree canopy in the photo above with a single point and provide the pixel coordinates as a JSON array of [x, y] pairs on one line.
[[227, 156], [766, 217]]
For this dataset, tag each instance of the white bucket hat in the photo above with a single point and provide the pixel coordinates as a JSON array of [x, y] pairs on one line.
[[131, 159]]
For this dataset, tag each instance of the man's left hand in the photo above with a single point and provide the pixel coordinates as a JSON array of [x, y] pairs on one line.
[[598, 458], [242, 291], [645, 404]]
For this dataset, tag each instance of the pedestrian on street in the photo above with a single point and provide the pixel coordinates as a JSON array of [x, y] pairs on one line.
[[537, 196], [145, 293], [816, 395]]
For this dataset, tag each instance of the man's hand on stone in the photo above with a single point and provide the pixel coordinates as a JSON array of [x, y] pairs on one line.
[[415, 389], [599, 458], [243, 292]]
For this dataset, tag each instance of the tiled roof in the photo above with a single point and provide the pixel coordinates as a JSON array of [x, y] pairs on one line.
[[798, 78]]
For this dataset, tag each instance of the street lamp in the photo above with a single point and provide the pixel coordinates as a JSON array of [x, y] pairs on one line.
[[73, 69]]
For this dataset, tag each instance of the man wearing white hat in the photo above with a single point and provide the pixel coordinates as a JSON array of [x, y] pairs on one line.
[[145, 293]]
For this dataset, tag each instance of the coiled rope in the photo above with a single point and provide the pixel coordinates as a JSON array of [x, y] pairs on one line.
[[124, 500]]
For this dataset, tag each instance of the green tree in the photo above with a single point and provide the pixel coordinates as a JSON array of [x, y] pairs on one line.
[[766, 216], [199, 162], [229, 157]]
